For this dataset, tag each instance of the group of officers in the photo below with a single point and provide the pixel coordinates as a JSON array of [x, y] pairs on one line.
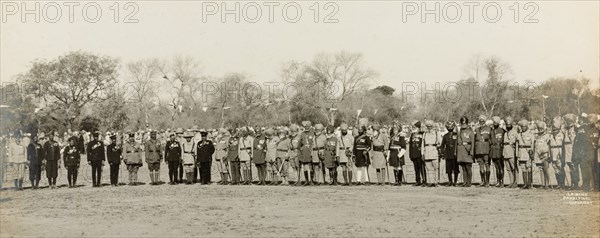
[[317, 153]]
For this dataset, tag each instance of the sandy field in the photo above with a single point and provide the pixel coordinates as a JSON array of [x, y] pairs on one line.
[[263, 211]]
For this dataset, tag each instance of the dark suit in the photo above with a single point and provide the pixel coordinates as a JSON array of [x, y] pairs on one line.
[[114, 155], [204, 151], [95, 153]]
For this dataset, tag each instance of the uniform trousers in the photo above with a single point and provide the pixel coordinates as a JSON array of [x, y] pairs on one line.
[[205, 172]]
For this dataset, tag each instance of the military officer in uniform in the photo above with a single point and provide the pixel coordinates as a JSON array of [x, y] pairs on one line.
[[114, 155], [35, 156], [346, 143], [18, 159], [173, 153], [525, 142], [245, 155], [259, 152], [72, 158], [415, 153], [362, 145], [294, 154], [233, 158], [397, 151], [465, 148], [52, 157], [154, 155], [509, 150], [430, 151], [221, 155], [379, 152], [317, 154], [204, 151], [496, 150], [541, 156], [305, 148], [271, 154], [584, 150], [448, 149], [188, 157], [556, 155], [178, 179], [330, 155], [96, 157], [282, 155], [132, 157], [569, 133], [482, 150]]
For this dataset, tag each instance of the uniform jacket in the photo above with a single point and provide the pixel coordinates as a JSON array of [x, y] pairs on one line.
[[173, 151], [245, 147], [294, 146], [95, 151], [346, 144], [431, 143], [482, 140], [272, 148], [283, 148], [496, 143], [114, 154], [188, 150], [448, 146], [585, 143], [306, 145], [556, 145], [542, 148], [221, 148], [153, 150], [17, 153], [132, 153], [35, 153], [204, 151], [318, 147], [362, 145], [415, 145], [465, 146], [525, 142], [52, 150], [510, 143], [71, 156], [259, 150], [233, 149], [330, 152], [569, 138]]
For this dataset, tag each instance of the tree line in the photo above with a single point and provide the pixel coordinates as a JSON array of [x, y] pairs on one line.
[[82, 90]]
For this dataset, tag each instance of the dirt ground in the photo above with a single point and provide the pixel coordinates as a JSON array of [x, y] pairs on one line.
[[365, 211]]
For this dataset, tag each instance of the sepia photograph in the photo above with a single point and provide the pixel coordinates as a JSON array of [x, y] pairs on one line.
[[299, 118]]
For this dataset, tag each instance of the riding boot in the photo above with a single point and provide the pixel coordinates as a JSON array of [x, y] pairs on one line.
[[345, 175], [334, 177], [298, 179], [306, 178], [350, 177], [400, 177], [487, 178]]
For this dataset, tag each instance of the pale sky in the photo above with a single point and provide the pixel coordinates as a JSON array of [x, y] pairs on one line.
[[564, 42]]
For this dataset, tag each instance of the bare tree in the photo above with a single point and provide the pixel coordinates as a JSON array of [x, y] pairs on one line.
[[141, 85], [343, 69], [184, 76], [491, 75]]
